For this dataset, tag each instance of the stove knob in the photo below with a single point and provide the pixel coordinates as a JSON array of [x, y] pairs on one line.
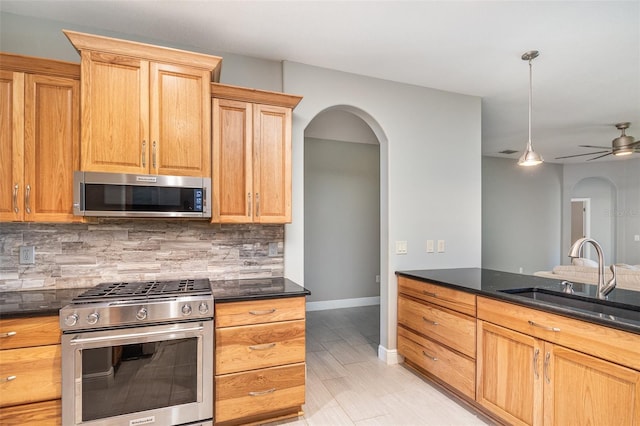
[[186, 310], [203, 308], [71, 320], [142, 314], [93, 318]]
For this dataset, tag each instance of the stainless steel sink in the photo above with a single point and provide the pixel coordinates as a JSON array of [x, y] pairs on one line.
[[604, 308]]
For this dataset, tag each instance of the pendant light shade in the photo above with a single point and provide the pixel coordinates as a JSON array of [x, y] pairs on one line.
[[530, 157]]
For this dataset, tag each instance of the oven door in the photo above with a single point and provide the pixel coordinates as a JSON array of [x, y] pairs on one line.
[[158, 375]]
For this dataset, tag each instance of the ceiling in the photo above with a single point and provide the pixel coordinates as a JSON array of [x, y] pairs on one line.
[[586, 79]]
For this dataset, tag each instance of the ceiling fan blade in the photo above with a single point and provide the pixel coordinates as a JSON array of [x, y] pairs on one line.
[[595, 146], [581, 155], [595, 158]]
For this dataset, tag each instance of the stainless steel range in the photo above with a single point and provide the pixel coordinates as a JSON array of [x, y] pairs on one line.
[[138, 353]]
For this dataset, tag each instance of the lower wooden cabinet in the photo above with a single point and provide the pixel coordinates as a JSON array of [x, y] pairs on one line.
[[260, 365], [46, 413], [437, 335], [525, 379], [264, 391], [30, 371]]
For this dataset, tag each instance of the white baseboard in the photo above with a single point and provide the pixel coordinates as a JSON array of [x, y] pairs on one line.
[[389, 356], [342, 303]]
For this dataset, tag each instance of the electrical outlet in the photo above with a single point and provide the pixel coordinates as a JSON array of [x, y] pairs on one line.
[[401, 247], [273, 249], [378, 279], [636, 238], [27, 255], [440, 246]]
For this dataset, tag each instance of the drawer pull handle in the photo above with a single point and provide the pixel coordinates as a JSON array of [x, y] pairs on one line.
[[432, 358], [536, 355], [547, 359], [8, 334], [262, 347], [429, 321], [555, 329], [272, 390], [428, 293], [265, 312], [8, 379]]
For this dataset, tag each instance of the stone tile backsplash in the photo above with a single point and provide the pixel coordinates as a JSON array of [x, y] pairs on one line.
[[83, 255]]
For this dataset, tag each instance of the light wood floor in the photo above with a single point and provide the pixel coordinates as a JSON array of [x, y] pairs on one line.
[[348, 385]]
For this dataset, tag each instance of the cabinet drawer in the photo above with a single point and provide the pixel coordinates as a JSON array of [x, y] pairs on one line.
[[259, 311], [452, 368], [608, 343], [453, 329], [453, 299], [25, 332], [256, 392], [37, 374], [250, 347], [47, 413]]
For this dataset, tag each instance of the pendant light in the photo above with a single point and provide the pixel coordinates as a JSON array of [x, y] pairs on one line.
[[530, 157]]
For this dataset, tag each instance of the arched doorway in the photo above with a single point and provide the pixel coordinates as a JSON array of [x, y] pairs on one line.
[[343, 226]]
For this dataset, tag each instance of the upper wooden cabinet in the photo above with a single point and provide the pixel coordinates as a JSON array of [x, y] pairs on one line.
[[39, 138], [251, 155], [145, 109]]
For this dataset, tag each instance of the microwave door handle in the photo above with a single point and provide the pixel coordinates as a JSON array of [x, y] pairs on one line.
[[82, 340]]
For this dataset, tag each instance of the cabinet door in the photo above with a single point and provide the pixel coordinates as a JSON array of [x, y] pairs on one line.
[[115, 113], [180, 120], [272, 164], [11, 145], [232, 162], [51, 147], [509, 374], [581, 389]]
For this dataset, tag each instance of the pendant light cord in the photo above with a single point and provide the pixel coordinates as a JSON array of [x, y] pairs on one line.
[[530, 90]]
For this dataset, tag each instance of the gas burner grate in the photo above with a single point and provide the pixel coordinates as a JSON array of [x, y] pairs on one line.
[[145, 289]]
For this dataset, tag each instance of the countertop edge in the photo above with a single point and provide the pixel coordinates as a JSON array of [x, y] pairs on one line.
[[619, 324]]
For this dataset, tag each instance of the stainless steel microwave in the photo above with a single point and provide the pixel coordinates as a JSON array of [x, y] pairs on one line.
[[130, 195]]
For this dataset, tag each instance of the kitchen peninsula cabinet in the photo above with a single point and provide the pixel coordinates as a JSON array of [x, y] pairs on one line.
[[39, 138], [259, 360], [30, 376], [437, 332], [251, 155], [537, 368], [145, 109]]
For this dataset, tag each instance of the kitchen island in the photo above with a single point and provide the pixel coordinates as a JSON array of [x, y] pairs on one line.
[[517, 359]]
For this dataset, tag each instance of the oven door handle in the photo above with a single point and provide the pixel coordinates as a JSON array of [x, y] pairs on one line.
[[80, 340]]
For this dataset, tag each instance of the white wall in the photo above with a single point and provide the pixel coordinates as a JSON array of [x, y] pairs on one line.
[[430, 172], [624, 175], [521, 216]]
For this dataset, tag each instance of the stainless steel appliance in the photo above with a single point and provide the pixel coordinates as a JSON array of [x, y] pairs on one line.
[[129, 195], [139, 353]]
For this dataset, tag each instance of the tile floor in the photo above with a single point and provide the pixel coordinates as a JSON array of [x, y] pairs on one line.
[[348, 385]]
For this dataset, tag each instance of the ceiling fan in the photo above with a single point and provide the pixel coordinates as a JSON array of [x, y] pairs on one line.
[[622, 145]]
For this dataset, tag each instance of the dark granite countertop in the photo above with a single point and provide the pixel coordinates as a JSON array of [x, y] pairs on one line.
[[31, 303], [490, 283], [255, 289]]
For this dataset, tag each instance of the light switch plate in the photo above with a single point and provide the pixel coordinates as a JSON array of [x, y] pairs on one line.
[[440, 246], [401, 247], [430, 246]]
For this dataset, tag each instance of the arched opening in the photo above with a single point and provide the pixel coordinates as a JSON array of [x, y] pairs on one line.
[[342, 214], [601, 196]]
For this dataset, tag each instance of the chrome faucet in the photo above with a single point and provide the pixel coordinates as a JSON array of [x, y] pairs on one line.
[[603, 290]]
